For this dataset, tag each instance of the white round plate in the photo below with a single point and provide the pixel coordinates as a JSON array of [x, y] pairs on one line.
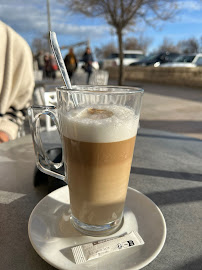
[[52, 234]]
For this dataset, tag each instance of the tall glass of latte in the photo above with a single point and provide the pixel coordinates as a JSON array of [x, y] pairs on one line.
[[98, 127]]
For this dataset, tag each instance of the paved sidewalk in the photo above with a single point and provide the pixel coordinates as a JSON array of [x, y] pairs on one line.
[[168, 108], [171, 108]]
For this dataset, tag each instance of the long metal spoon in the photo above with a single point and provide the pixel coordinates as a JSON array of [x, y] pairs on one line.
[[57, 53]]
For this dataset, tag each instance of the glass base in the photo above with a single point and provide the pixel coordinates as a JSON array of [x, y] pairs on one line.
[[94, 230]]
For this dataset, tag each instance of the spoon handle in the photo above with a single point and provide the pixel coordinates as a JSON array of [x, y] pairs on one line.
[[56, 50]]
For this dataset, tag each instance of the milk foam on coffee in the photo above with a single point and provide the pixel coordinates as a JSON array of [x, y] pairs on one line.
[[100, 124]]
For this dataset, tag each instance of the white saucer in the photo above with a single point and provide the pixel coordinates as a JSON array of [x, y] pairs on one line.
[[52, 234]]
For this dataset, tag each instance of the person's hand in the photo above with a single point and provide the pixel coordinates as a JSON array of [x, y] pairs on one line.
[[3, 137]]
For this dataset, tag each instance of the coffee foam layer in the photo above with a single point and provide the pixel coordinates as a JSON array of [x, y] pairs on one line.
[[100, 124]]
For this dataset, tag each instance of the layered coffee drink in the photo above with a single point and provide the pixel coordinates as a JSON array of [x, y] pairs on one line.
[[98, 150]]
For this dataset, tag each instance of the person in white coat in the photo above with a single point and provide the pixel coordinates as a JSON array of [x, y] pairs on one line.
[[16, 81]]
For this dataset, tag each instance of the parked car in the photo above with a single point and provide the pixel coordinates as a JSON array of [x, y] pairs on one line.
[[186, 60], [129, 56], [156, 59]]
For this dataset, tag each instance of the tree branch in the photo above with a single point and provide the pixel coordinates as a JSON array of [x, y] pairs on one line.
[[113, 16], [132, 13]]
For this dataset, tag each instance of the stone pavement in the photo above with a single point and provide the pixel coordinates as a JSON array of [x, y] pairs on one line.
[[171, 108]]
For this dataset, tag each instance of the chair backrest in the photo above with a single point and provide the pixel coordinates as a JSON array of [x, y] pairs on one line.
[[46, 99], [50, 98], [99, 77], [38, 96]]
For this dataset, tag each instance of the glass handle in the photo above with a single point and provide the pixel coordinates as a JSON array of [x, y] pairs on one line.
[[43, 162]]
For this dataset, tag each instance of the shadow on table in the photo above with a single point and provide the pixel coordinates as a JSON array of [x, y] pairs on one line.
[[172, 196], [170, 137], [168, 174], [173, 126], [176, 196], [193, 265]]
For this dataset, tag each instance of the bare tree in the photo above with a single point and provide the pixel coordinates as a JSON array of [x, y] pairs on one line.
[[131, 44], [122, 14], [168, 46], [191, 45], [105, 51], [39, 44], [200, 44], [140, 43]]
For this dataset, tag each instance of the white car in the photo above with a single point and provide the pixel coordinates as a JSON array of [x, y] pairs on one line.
[[186, 60], [129, 56]]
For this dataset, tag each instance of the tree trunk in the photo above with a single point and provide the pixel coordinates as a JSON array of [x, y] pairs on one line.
[[120, 78]]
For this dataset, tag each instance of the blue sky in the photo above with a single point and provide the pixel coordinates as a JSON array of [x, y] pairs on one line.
[[29, 18]]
